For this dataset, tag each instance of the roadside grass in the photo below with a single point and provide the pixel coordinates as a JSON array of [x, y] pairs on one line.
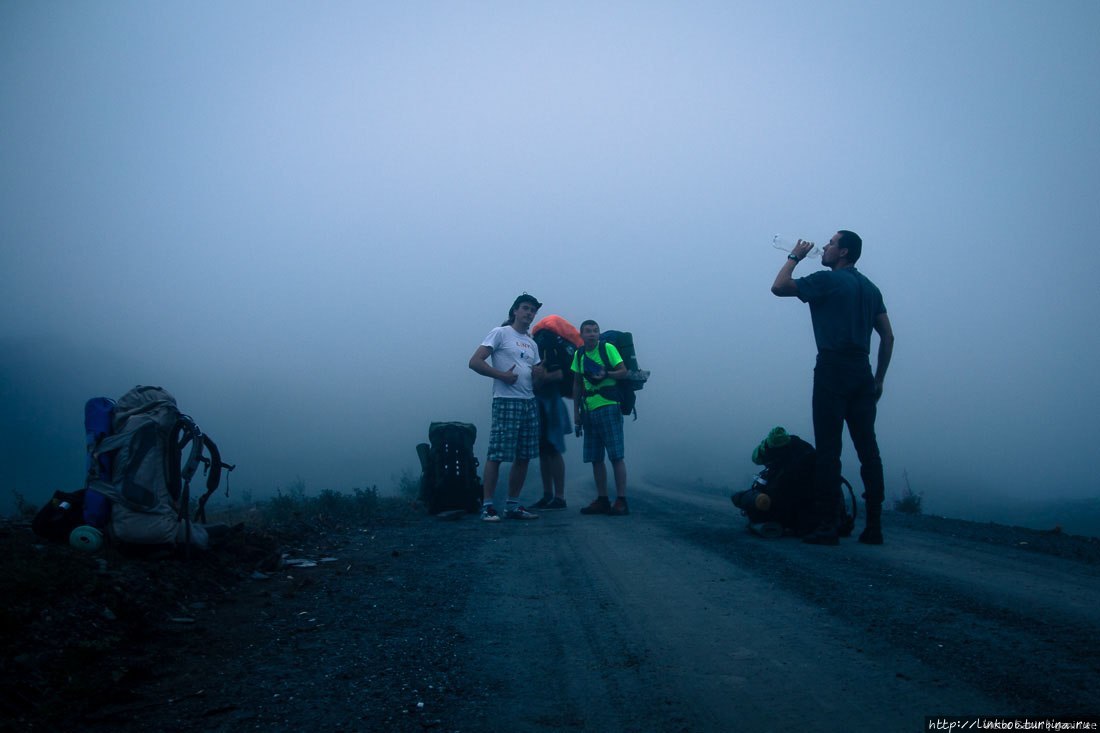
[[910, 501], [293, 508]]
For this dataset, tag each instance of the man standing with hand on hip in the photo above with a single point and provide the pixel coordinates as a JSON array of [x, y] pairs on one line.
[[845, 307], [515, 432]]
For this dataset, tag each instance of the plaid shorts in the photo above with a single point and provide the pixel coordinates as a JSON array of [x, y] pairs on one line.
[[515, 432], [603, 429]]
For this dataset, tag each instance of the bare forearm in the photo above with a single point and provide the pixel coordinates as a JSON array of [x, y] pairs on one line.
[[885, 352], [784, 284], [885, 346], [483, 368]]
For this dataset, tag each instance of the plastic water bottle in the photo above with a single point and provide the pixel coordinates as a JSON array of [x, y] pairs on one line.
[[787, 244]]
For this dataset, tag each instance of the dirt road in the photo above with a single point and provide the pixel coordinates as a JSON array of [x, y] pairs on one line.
[[671, 619], [676, 619]]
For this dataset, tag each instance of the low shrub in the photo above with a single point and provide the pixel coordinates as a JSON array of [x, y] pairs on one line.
[[910, 501]]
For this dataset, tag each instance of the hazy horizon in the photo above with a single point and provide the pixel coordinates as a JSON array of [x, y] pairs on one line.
[[302, 220]]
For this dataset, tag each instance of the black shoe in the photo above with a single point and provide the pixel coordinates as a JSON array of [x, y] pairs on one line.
[[555, 503], [543, 502], [600, 506], [619, 508], [871, 536]]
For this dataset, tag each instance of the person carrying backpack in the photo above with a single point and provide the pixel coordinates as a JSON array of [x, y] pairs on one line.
[[510, 357], [845, 307], [557, 340], [596, 368]]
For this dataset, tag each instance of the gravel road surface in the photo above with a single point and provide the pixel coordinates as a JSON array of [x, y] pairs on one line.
[[674, 618]]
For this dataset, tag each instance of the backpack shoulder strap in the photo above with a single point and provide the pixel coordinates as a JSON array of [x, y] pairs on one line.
[[617, 392], [604, 356]]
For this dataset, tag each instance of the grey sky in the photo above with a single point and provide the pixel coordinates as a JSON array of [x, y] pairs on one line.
[[301, 219]]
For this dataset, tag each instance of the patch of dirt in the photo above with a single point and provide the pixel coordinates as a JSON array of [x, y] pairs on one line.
[[98, 641], [675, 618]]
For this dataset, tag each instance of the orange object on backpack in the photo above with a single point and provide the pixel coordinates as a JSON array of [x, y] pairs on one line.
[[559, 326]]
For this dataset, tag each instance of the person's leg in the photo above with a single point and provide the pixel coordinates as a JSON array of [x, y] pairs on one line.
[[599, 473], [492, 475], [516, 478], [619, 468], [549, 459], [547, 470], [861, 426], [546, 456], [552, 471], [561, 427], [556, 464], [829, 408], [526, 448], [502, 448], [613, 439], [619, 508], [599, 505], [594, 454]]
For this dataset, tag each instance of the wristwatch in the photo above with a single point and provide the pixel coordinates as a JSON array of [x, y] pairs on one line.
[[792, 257]]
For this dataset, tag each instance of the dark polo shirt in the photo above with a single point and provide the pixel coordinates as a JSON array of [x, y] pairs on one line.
[[843, 307]]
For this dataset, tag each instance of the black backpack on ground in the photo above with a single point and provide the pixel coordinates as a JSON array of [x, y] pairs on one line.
[[781, 499], [449, 479]]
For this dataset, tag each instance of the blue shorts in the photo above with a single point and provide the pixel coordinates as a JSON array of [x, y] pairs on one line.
[[515, 431], [603, 430]]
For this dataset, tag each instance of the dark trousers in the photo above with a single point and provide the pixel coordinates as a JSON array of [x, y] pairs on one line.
[[844, 392]]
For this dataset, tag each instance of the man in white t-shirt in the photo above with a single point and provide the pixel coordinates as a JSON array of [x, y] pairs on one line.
[[509, 357]]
